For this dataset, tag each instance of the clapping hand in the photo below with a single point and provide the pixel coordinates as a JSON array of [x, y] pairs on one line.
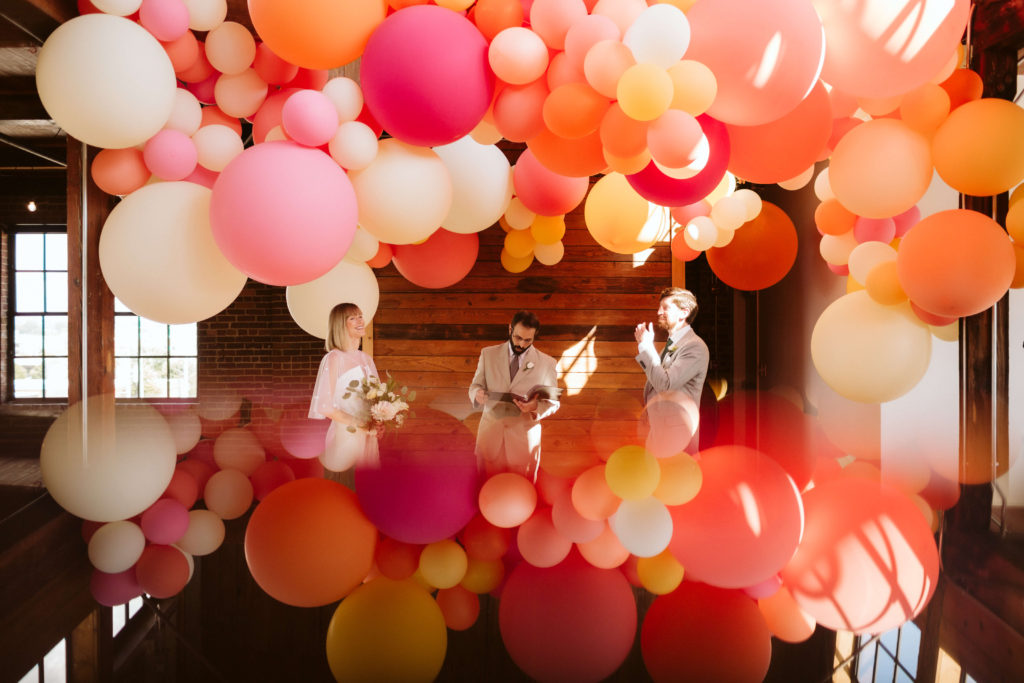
[[644, 332]]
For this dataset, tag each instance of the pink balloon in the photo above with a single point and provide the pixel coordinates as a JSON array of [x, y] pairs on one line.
[[585, 33], [743, 525], [170, 155], [283, 214], [542, 190], [202, 176], [114, 589], [309, 118], [766, 55], [165, 521], [906, 220], [167, 20], [540, 543], [686, 213], [204, 89], [572, 524], [425, 75], [441, 261], [655, 186], [302, 437], [673, 138], [570, 622], [420, 501], [269, 114], [551, 19], [874, 229]]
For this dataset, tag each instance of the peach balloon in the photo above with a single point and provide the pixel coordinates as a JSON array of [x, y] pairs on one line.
[[673, 138], [881, 168], [604, 65], [605, 551], [518, 110], [979, 149], [618, 218], [784, 617], [507, 499], [644, 91], [694, 86], [883, 284], [548, 229], [230, 48], [240, 94], [925, 108], [551, 19], [540, 542], [585, 33], [623, 136], [562, 71], [591, 495], [228, 493], [517, 55], [622, 12], [216, 146]]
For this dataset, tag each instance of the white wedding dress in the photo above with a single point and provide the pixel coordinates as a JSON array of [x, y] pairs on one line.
[[344, 449]]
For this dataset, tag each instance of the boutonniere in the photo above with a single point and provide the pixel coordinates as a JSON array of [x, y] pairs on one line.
[[529, 364]]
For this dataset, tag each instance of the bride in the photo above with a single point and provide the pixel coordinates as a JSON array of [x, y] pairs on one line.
[[348, 443]]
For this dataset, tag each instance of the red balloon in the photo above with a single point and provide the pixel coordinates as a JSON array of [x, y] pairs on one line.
[[655, 186], [397, 560], [868, 560], [761, 252], [441, 261], [268, 477], [570, 622], [701, 633], [162, 571]]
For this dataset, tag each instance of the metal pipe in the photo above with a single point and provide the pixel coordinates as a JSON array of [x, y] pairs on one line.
[[17, 145]]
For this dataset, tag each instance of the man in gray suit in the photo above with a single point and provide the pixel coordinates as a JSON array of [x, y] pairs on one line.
[[508, 438], [675, 377]]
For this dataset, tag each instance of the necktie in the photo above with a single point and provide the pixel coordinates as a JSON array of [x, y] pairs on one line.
[[513, 366], [664, 350]]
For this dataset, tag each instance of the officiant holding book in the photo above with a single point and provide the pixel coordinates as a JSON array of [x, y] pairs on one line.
[[516, 385]]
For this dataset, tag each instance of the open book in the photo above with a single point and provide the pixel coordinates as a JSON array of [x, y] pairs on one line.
[[544, 393]]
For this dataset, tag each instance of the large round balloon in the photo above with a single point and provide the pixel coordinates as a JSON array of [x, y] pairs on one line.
[[619, 219], [761, 252], [283, 214], [867, 561], [881, 168], [106, 463], [158, 255], [743, 525], [308, 543], [659, 188], [310, 303], [106, 81], [955, 263], [979, 149], [441, 261], [425, 75], [316, 34], [572, 621], [880, 50], [387, 630], [766, 56], [481, 184], [702, 633], [404, 193], [869, 352]]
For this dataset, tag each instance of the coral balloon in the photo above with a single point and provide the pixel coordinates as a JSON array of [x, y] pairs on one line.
[[956, 263], [540, 542], [543, 191], [459, 606], [308, 543], [507, 500], [580, 157], [162, 571], [316, 34], [518, 110], [119, 171], [494, 16], [979, 148], [425, 75], [441, 261]]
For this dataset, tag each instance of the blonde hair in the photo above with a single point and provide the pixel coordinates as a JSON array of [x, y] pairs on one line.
[[337, 332], [682, 298]]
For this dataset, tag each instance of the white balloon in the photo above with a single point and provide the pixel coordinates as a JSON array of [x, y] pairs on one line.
[[311, 302], [643, 527], [866, 256], [549, 254], [729, 212], [187, 114], [481, 184], [106, 81], [216, 145], [354, 146], [119, 8], [660, 35], [751, 200], [347, 97], [364, 247], [114, 468], [700, 233], [205, 533], [206, 15], [822, 186], [836, 249], [158, 255], [186, 430], [798, 181], [116, 546], [518, 216]]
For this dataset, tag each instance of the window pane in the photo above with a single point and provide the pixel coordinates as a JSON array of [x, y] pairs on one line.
[[28, 378], [183, 378], [29, 297], [866, 664], [55, 377], [32, 676], [56, 251], [154, 338], [903, 678], [57, 292], [126, 335], [120, 307], [183, 340], [154, 378], [119, 614], [55, 666], [28, 251], [28, 335], [126, 377], [55, 335], [910, 643]]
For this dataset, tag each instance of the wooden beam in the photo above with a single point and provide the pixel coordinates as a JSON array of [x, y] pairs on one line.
[[998, 23]]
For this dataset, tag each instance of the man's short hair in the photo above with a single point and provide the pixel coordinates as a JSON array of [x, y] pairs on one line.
[[682, 298], [527, 319]]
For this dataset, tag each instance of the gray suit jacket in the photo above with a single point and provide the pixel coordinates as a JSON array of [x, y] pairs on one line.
[[683, 370]]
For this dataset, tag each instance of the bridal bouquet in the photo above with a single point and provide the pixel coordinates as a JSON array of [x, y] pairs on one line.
[[387, 404]]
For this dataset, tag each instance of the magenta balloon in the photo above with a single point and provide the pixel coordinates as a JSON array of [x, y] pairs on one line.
[[744, 524], [420, 500], [655, 186], [570, 622], [165, 521], [543, 191], [425, 75], [114, 589], [283, 214]]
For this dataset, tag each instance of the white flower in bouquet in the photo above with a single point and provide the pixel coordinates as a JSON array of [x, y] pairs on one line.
[[383, 411]]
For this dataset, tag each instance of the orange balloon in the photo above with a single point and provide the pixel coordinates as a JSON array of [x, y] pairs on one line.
[[883, 284], [308, 543], [317, 34], [962, 86], [605, 551], [459, 606], [514, 264], [622, 136], [518, 110], [494, 16], [562, 71], [761, 252], [1018, 276], [832, 218], [781, 149], [483, 541], [925, 108], [956, 262], [578, 158], [979, 149], [119, 171], [784, 617], [574, 110], [183, 52]]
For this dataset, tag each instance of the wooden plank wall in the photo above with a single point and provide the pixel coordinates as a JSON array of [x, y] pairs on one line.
[[588, 305]]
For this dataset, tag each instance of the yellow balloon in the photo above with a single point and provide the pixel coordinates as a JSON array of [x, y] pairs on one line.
[[681, 478], [483, 576], [443, 563], [632, 473], [519, 243], [619, 219], [547, 229], [660, 574], [514, 264], [644, 91], [387, 630], [693, 86]]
